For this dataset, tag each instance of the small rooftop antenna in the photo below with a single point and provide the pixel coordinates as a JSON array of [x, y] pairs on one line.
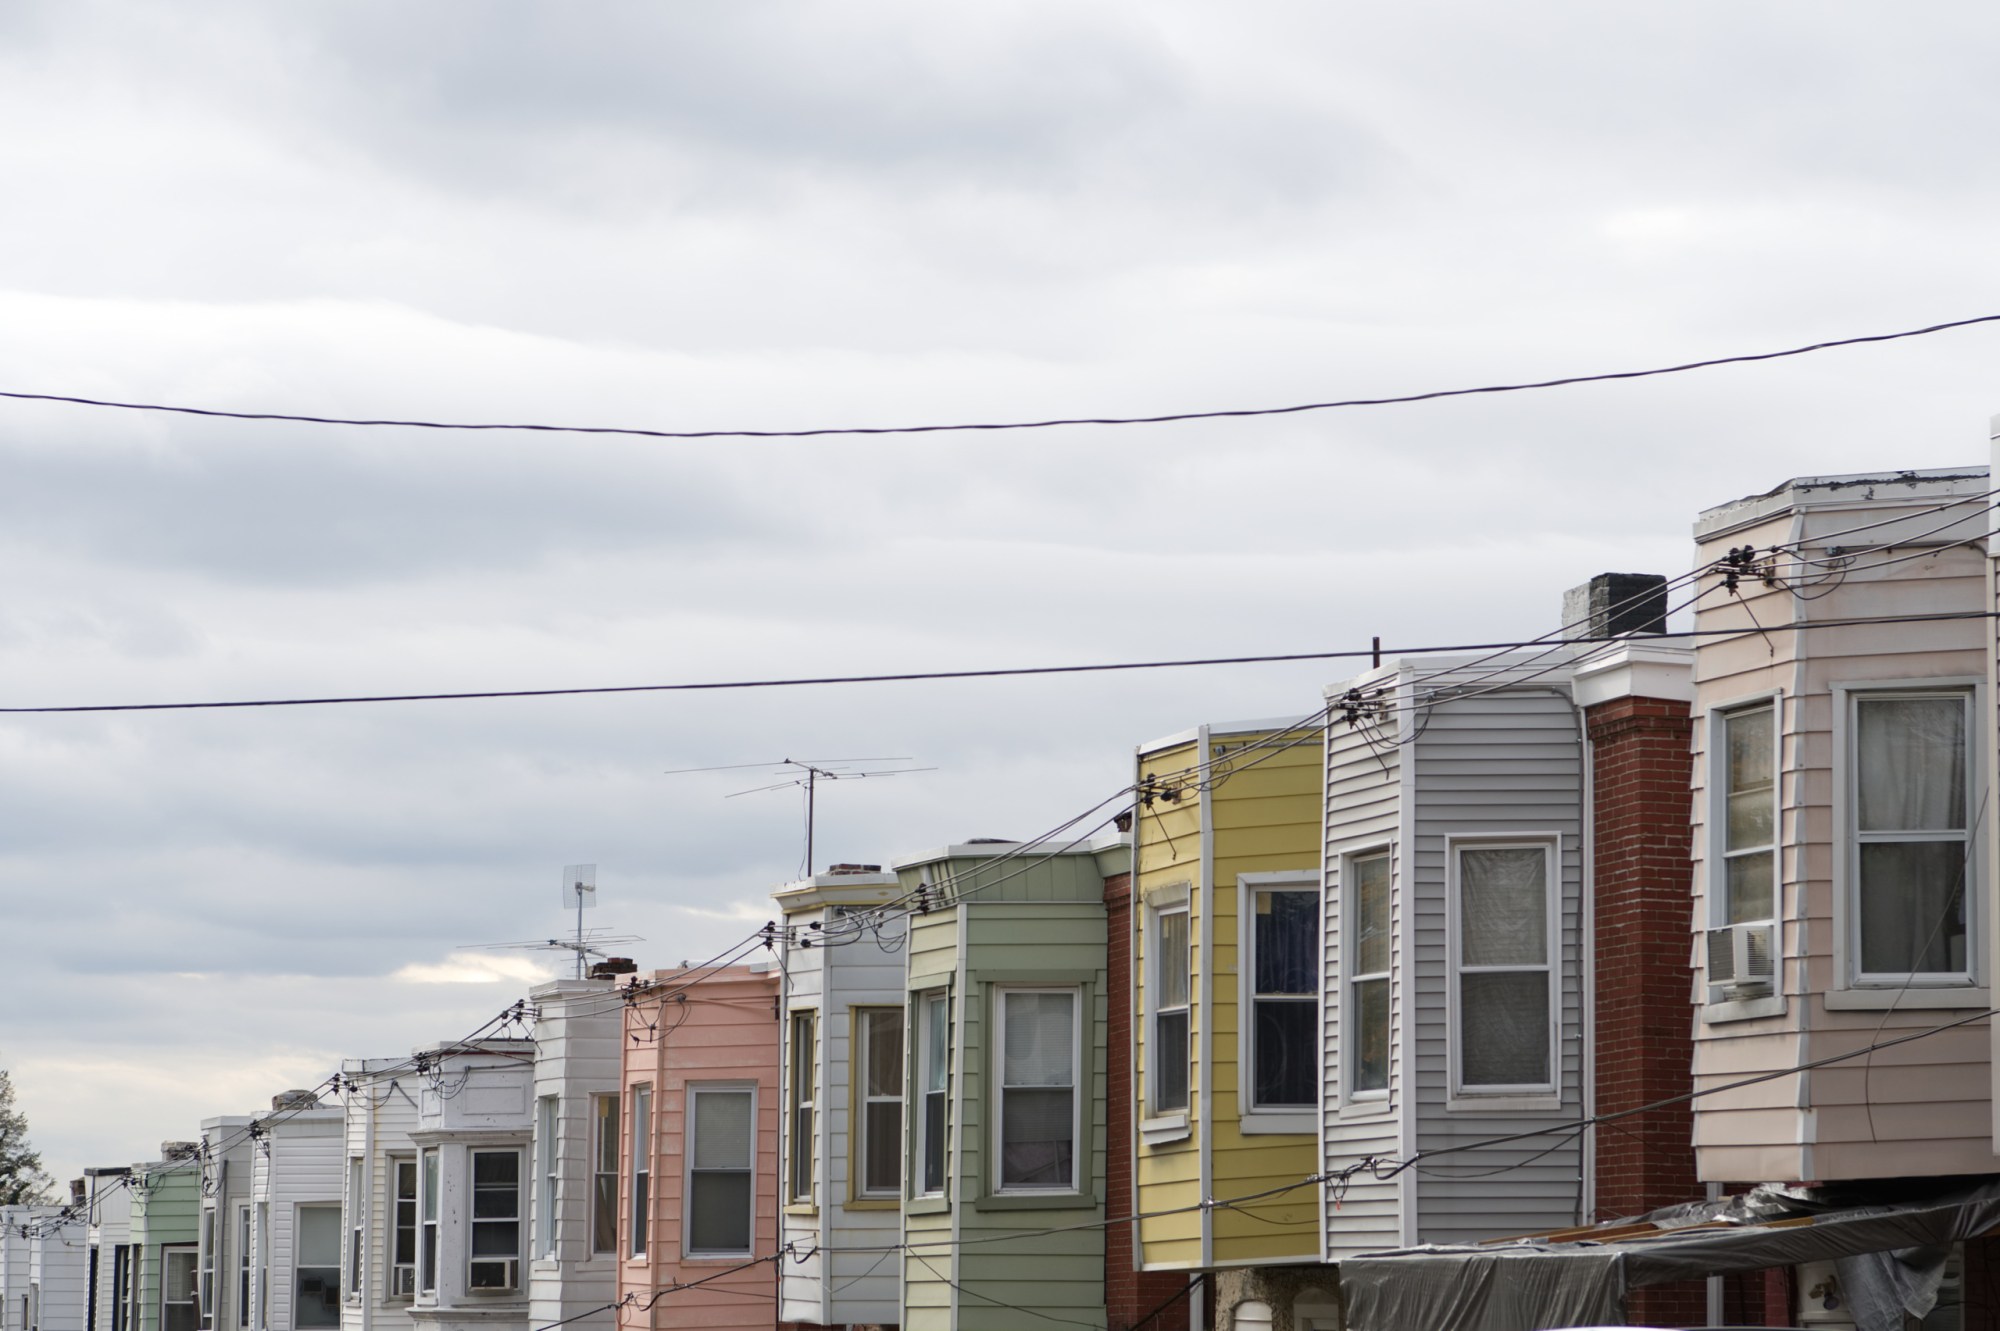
[[579, 893], [809, 772]]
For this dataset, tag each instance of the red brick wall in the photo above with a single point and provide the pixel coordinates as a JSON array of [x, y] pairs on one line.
[[1128, 1294], [1643, 1024]]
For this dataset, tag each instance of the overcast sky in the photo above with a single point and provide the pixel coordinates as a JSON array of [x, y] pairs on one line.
[[778, 216]]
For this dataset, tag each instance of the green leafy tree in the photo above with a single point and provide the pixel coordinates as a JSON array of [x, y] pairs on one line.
[[21, 1176]]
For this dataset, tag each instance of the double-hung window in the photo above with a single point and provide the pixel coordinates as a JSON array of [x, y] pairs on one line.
[[357, 1221], [604, 1174], [1749, 815], [1168, 991], [801, 1086], [548, 1111], [403, 1242], [1038, 1072], [177, 1286], [722, 1122], [1909, 848], [207, 1301], [642, 1167], [1504, 975], [933, 1085], [878, 1074], [1366, 889], [427, 1250], [242, 1268], [316, 1268], [1283, 937], [495, 1261]]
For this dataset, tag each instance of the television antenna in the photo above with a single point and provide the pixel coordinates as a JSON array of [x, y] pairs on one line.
[[807, 773], [579, 894]]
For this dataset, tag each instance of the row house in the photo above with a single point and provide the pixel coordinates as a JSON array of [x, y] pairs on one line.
[[165, 1237], [107, 1217], [226, 1246], [42, 1268], [295, 1235], [698, 1205], [573, 1265]]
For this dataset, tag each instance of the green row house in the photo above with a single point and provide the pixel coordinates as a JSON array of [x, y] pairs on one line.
[[165, 1238]]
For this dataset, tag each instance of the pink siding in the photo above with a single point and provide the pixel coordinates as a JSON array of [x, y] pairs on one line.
[[725, 1030]]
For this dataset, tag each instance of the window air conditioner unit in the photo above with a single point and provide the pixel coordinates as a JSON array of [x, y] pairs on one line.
[[495, 1274], [402, 1281], [1742, 960]]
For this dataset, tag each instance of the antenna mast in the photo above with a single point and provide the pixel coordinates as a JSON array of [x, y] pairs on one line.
[[808, 773]]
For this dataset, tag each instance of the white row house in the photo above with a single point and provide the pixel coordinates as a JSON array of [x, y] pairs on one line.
[[43, 1269], [108, 1240], [295, 1190], [574, 1266], [226, 1247]]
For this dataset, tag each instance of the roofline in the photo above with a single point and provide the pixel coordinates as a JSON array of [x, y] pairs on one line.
[[985, 851], [1831, 491], [1214, 728]]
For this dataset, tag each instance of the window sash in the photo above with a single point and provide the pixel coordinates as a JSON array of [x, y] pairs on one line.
[[548, 1114], [403, 1255], [178, 1302], [207, 1296], [1911, 881], [720, 1215], [604, 1174], [1746, 816], [1284, 1047], [242, 1267], [357, 1211], [1504, 1007], [800, 1124], [1168, 994], [427, 1210], [1037, 1125], [934, 1016], [877, 1077], [642, 1168], [1368, 887], [316, 1268], [495, 1212]]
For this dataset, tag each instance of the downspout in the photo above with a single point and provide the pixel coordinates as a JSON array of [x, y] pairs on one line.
[[368, 1229], [1808, 1127]]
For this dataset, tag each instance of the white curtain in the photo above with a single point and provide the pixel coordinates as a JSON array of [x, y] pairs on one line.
[[1503, 906], [1911, 772]]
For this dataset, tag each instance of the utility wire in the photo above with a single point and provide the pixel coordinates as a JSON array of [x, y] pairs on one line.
[[1231, 414], [1003, 672]]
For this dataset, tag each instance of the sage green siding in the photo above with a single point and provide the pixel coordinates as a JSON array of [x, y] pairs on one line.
[[166, 1210], [1035, 921]]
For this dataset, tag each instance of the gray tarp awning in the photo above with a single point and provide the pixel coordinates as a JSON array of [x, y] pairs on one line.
[[1891, 1258]]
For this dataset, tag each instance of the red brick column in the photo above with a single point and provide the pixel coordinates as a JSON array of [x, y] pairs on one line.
[[1643, 1024], [1128, 1294]]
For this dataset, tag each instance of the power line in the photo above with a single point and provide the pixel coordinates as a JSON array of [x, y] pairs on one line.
[[1052, 423], [999, 672]]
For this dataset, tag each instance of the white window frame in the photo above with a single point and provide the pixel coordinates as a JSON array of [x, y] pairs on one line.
[[1374, 1099], [1856, 990], [522, 1238], [299, 1268], [997, 1100], [1544, 1095], [1714, 871], [694, 1091], [430, 1182], [1161, 1124], [205, 1271], [242, 1276], [863, 1039], [548, 1162], [801, 1103], [1257, 1118], [355, 1218], [920, 1134], [167, 1252], [638, 1241]]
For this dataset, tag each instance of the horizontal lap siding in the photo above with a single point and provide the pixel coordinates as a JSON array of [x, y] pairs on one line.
[[1265, 818], [1481, 743], [576, 1059], [802, 1283], [859, 974], [1363, 810]]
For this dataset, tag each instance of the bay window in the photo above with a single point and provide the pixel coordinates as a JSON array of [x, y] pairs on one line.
[[1504, 921], [548, 1111], [1038, 1046], [642, 1167], [933, 1082], [604, 1174], [800, 1086], [403, 1242], [207, 1298], [1747, 819], [1167, 992], [357, 1215], [495, 1220], [427, 1251]]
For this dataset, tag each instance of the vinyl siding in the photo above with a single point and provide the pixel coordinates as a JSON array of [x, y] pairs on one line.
[[577, 1039], [166, 1209]]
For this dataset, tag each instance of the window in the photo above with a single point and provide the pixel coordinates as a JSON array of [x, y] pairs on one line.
[[878, 1074], [604, 1174], [1038, 1074], [316, 1272], [207, 1299], [427, 1201], [263, 1265], [933, 1079], [121, 1284], [800, 1087], [1749, 815], [546, 1109], [177, 1288], [403, 1250], [1167, 997], [1909, 847], [496, 1221], [719, 1204], [1367, 890], [1505, 922], [642, 1166], [357, 1212], [242, 1267], [1284, 1047]]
